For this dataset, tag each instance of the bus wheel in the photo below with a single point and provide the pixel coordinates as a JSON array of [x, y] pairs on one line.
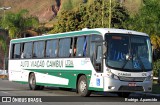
[[32, 82], [124, 94], [83, 86]]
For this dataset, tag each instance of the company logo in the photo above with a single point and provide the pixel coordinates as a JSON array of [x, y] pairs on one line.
[[124, 74], [144, 74]]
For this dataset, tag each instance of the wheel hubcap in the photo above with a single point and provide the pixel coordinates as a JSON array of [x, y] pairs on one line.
[[83, 86], [32, 81]]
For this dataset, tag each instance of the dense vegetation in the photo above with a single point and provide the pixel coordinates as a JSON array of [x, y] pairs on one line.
[[17, 25], [97, 15], [93, 15]]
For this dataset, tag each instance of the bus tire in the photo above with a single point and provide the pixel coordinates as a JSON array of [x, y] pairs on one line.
[[83, 86], [32, 82], [124, 94]]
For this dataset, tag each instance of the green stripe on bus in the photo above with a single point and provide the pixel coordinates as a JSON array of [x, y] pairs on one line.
[[22, 82], [71, 75], [58, 85], [55, 85], [69, 66], [95, 89], [52, 36]]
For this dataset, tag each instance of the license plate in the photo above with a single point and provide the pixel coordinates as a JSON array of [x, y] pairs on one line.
[[132, 84]]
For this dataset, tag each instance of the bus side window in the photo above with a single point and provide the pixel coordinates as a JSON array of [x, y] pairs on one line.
[[27, 50], [80, 43], [38, 51], [51, 48], [64, 47], [16, 51]]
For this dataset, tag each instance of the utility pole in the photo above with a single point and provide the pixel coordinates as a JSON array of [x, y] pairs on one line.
[[102, 13], [4, 11], [110, 13]]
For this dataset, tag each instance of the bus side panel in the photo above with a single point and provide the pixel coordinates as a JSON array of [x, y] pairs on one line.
[[15, 72], [56, 72]]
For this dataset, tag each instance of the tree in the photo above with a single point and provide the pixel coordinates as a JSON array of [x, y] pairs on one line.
[[18, 23], [91, 16], [155, 40], [147, 20], [3, 43]]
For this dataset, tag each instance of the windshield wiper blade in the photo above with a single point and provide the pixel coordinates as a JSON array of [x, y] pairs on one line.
[[141, 63], [126, 61]]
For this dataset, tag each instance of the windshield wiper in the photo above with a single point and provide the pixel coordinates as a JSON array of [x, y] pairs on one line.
[[141, 63], [139, 59], [126, 61]]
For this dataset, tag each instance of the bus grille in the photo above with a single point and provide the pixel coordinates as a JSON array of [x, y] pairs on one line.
[[131, 88], [132, 79]]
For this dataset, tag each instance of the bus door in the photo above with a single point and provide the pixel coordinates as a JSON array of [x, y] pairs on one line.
[[98, 58], [98, 66]]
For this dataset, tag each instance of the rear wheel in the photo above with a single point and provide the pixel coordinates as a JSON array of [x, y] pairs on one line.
[[32, 83], [83, 86]]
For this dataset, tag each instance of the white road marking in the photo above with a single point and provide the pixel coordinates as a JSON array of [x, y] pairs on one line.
[[5, 92]]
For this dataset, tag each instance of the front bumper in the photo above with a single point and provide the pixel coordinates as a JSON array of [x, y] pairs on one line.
[[112, 85]]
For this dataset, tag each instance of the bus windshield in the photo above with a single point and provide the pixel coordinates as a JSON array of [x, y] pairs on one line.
[[128, 52]]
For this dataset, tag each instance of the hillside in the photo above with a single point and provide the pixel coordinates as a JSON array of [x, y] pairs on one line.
[[43, 9], [46, 10]]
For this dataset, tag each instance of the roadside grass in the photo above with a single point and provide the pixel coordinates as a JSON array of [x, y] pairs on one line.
[[156, 88]]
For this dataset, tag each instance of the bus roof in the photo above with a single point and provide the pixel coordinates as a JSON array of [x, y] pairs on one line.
[[114, 30], [98, 31]]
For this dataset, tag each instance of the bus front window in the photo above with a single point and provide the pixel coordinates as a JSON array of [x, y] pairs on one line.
[[128, 53]]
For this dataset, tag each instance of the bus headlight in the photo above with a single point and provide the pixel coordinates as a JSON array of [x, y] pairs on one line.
[[111, 75], [114, 76], [149, 78]]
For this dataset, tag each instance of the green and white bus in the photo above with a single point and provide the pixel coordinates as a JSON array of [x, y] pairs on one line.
[[101, 59]]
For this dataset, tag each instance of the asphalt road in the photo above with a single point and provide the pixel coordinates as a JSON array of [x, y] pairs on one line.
[[57, 96]]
